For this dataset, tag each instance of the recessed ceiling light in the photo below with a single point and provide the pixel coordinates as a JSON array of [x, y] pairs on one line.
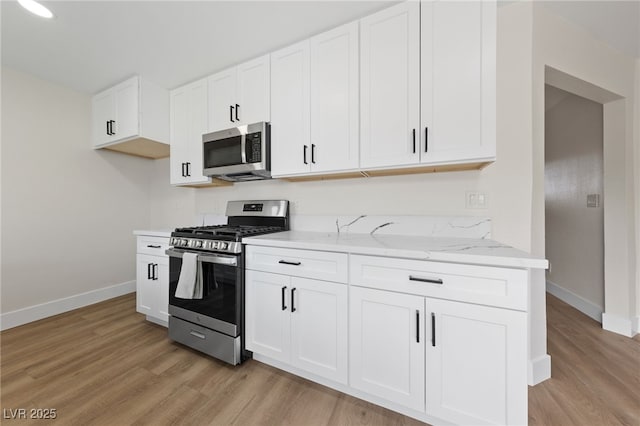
[[36, 8]]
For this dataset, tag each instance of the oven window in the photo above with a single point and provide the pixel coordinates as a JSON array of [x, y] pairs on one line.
[[223, 152], [220, 287]]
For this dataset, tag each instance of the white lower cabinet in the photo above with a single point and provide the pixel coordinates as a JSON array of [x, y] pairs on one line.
[[441, 342], [298, 321], [387, 345], [152, 278], [470, 359]]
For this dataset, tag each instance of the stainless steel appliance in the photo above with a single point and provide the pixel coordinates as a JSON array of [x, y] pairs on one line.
[[239, 154], [214, 323]]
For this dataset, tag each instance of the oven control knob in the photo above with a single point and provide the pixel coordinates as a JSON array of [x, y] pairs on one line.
[[198, 244], [184, 242], [224, 246], [214, 245]]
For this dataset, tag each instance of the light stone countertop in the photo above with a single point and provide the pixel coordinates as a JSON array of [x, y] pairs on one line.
[[441, 249]]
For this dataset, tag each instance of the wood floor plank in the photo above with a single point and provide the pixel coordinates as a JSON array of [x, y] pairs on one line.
[[106, 365]]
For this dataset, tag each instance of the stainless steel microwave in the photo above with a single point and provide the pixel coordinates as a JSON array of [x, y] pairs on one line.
[[238, 154]]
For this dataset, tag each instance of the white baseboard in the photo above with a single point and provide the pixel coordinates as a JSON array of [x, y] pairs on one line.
[[55, 307], [539, 370], [619, 325], [588, 308]]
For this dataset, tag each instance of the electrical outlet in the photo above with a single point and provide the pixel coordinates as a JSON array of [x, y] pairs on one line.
[[476, 200]]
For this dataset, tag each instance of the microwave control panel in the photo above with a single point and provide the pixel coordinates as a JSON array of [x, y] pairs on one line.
[[254, 147]]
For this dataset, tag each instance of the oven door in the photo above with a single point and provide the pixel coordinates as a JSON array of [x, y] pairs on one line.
[[220, 308]]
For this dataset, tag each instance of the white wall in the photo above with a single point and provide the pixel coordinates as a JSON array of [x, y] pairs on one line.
[[573, 154], [68, 211], [637, 171], [569, 49]]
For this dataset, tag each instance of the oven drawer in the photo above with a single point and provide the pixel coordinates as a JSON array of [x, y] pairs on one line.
[[210, 342], [503, 287], [155, 246], [320, 265]]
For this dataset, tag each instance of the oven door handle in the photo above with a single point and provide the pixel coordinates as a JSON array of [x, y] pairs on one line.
[[207, 258]]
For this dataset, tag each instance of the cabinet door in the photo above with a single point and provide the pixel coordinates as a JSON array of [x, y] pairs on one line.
[[146, 290], [387, 345], [254, 101], [267, 325], [179, 134], [290, 147], [102, 110], [390, 86], [334, 99], [127, 110], [319, 328], [476, 364], [458, 81], [222, 100], [197, 121]]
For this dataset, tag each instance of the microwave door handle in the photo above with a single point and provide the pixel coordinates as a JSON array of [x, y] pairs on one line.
[[243, 148], [231, 113]]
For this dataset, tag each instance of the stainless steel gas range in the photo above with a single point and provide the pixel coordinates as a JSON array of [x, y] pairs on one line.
[[206, 278]]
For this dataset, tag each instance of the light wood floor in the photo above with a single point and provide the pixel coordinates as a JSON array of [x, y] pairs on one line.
[[105, 364]]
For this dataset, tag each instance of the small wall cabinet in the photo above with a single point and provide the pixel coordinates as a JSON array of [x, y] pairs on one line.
[[132, 117]]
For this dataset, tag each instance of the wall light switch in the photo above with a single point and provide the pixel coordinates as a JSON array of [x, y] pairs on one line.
[[593, 200], [476, 200]]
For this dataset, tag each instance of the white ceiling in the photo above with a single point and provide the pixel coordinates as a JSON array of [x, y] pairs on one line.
[[91, 45]]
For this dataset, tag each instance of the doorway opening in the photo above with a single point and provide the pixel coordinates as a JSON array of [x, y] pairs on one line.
[[574, 194]]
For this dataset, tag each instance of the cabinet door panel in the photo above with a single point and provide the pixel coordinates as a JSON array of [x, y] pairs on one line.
[[319, 328], [267, 324], [103, 107], [179, 134], [290, 110], [390, 86], [476, 367], [127, 118], [198, 125], [334, 99], [222, 96], [458, 81], [387, 345], [146, 294], [254, 91]]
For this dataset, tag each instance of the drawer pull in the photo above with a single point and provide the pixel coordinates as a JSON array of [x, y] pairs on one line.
[[284, 262], [425, 280], [152, 246], [293, 300], [198, 335]]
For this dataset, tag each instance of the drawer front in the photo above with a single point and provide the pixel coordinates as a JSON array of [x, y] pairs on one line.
[[154, 246], [320, 265], [503, 287]]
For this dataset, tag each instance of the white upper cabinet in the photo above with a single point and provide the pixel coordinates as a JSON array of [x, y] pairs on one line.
[[390, 87], [290, 114], [314, 107], [132, 117], [458, 81], [334, 100], [240, 95], [189, 114]]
